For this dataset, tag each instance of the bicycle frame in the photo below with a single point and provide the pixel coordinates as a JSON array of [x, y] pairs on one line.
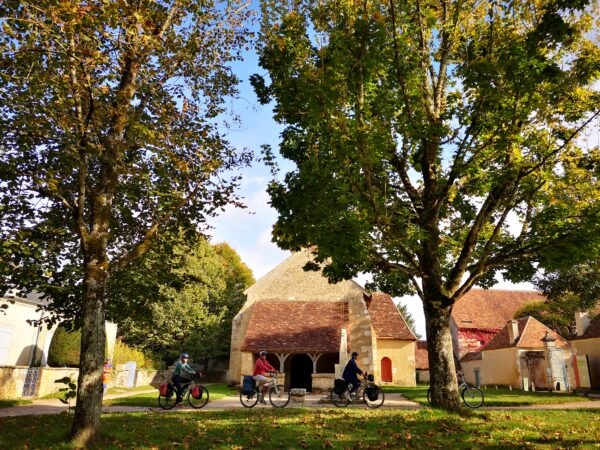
[[278, 398]]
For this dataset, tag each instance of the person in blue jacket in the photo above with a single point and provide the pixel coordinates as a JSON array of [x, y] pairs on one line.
[[351, 373]]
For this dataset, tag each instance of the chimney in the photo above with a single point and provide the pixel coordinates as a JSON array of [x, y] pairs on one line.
[[367, 298], [582, 322], [513, 331]]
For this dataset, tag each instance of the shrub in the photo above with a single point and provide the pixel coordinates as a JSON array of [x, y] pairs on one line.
[[124, 353], [64, 348]]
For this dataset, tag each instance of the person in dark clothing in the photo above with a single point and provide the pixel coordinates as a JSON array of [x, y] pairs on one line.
[[181, 375], [351, 373]]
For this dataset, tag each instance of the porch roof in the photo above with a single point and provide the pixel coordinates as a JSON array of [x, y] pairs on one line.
[[296, 326]]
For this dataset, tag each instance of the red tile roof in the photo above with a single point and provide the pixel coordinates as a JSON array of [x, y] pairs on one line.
[[531, 333], [472, 356], [293, 326], [593, 330], [387, 321], [490, 309], [421, 356]]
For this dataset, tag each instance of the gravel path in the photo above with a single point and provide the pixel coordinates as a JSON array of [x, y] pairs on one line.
[[392, 401]]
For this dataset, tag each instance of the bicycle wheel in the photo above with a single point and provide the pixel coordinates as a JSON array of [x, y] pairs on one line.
[[278, 396], [378, 401], [429, 396], [167, 402], [472, 397], [249, 400], [198, 402], [338, 400]]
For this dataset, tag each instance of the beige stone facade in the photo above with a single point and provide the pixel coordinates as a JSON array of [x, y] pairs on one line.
[[309, 327], [524, 354], [587, 345]]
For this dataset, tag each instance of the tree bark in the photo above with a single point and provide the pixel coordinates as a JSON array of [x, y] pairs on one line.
[[442, 371], [86, 422]]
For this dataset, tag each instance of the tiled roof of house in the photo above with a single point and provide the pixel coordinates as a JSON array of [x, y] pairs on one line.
[[490, 309], [593, 330], [471, 356], [531, 333], [290, 326], [421, 356], [387, 321]]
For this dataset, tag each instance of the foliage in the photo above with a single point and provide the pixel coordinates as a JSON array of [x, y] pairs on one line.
[[64, 348], [436, 141], [410, 321], [181, 297], [581, 281], [329, 428], [110, 136], [124, 353], [69, 392], [567, 290]]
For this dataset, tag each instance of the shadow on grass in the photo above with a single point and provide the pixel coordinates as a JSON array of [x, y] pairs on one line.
[[324, 428]]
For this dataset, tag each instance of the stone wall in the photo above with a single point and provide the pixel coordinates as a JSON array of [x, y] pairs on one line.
[[48, 375], [360, 333], [322, 382], [12, 379]]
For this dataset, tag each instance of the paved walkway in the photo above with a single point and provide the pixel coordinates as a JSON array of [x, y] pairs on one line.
[[392, 401]]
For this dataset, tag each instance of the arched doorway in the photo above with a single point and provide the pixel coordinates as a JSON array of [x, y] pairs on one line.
[[301, 369], [386, 369]]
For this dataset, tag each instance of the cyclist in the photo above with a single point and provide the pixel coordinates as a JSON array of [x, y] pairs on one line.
[[181, 375], [350, 374], [261, 367]]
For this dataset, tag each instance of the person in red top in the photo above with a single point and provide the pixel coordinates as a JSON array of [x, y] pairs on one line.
[[261, 367]]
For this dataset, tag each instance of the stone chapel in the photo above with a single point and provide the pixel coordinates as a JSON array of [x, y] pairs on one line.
[[309, 327]]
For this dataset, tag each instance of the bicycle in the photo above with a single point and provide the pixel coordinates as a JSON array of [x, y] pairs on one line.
[[197, 394], [278, 396], [471, 395], [370, 393]]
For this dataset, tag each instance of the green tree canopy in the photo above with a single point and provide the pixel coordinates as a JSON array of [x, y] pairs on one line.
[[180, 298], [435, 143], [410, 320], [567, 290], [110, 135]]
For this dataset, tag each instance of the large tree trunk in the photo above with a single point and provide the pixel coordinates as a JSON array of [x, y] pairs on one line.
[[444, 387], [86, 423]]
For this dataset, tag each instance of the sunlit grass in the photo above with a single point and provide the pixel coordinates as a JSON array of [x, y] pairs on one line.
[[323, 428], [496, 397], [215, 391], [14, 402]]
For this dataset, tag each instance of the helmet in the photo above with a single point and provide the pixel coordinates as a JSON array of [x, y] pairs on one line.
[[354, 354], [263, 353], [184, 355]]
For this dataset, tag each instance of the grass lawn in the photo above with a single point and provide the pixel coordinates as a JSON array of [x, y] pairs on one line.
[[324, 428], [496, 397], [215, 392], [13, 402]]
